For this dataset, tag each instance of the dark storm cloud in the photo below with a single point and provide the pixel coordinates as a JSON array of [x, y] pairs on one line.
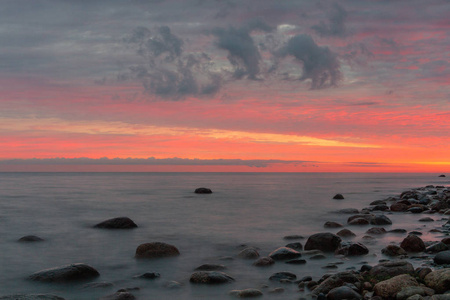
[[335, 25], [318, 63]]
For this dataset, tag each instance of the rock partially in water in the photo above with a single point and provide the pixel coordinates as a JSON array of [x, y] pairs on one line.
[[264, 262], [67, 273], [437, 247], [31, 297], [398, 231], [376, 230], [380, 220], [413, 243], [296, 246], [345, 233], [389, 288], [334, 281], [210, 277], [409, 291], [439, 280], [284, 253], [325, 241], [156, 250], [330, 224], [393, 250], [98, 285], [281, 276], [338, 197], [120, 295], [358, 221], [247, 293], [148, 275], [203, 190], [426, 219], [399, 207], [117, 223], [296, 261], [210, 267], [349, 211], [442, 175], [30, 238], [248, 253], [353, 249], [343, 292], [442, 258], [392, 268], [294, 237]]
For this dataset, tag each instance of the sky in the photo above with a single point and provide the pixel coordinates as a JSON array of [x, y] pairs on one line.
[[225, 85]]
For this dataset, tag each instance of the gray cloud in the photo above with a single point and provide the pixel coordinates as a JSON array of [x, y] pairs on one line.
[[336, 23], [319, 63]]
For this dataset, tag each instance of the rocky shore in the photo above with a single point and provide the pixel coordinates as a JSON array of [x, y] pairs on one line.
[[393, 277]]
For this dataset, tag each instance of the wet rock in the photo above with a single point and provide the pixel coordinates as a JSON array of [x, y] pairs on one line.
[[284, 253], [247, 293], [345, 233], [326, 242], [392, 268], [367, 217], [210, 277], [335, 281], [439, 280], [418, 233], [437, 247], [264, 262], [343, 292], [353, 249], [378, 202], [30, 238], [119, 295], [248, 253], [156, 250], [210, 267], [279, 276], [338, 197], [117, 223], [442, 258], [422, 272], [426, 219], [67, 273], [203, 190], [358, 221], [277, 290], [348, 211], [415, 210], [296, 246], [31, 297], [296, 262], [398, 230], [389, 288], [294, 237], [393, 250], [413, 243], [409, 291], [330, 224], [380, 220], [152, 275], [399, 207], [376, 230], [380, 207]]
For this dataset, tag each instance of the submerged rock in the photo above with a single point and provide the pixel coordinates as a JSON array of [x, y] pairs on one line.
[[203, 190], [67, 273], [210, 277], [30, 238], [156, 250], [117, 223], [326, 242]]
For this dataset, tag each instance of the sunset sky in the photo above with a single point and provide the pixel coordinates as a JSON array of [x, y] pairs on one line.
[[217, 85]]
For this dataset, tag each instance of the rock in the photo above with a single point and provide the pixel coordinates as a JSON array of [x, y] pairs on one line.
[[338, 197], [439, 280], [152, 275], [399, 207], [296, 262], [422, 272], [415, 209], [440, 297], [442, 175], [283, 253], [209, 267], [446, 240], [294, 237], [120, 295], [380, 220], [442, 258], [392, 268], [398, 230], [389, 288], [326, 242], [30, 238], [317, 257], [247, 293], [353, 249], [276, 291], [426, 219], [98, 285], [279, 276], [264, 262], [335, 281], [296, 246], [173, 285], [31, 297], [367, 217], [330, 224], [210, 277], [358, 221], [409, 291], [67, 273], [348, 211], [413, 243], [381, 207], [203, 190], [345, 233], [117, 223], [343, 292], [376, 230], [393, 250], [156, 250], [248, 253], [378, 202], [437, 247]]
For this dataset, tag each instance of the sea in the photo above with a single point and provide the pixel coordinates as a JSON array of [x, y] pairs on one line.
[[245, 209]]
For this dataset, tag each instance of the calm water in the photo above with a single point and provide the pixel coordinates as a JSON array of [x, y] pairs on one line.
[[252, 209]]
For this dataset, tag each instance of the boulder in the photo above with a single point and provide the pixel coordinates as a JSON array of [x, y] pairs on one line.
[[326, 242], [353, 249], [345, 233], [210, 267], [442, 258], [376, 230], [30, 238], [409, 291], [156, 250], [393, 250], [413, 243], [330, 224], [281, 276], [117, 223], [264, 262], [247, 293], [284, 253], [439, 280], [203, 190], [343, 292], [248, 253], [67, 273], [392, 268], [338, 197], [335, 281], [210, 277], [31, 297], [399, 207], [437, 247], [380, 220], [389, 288]]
